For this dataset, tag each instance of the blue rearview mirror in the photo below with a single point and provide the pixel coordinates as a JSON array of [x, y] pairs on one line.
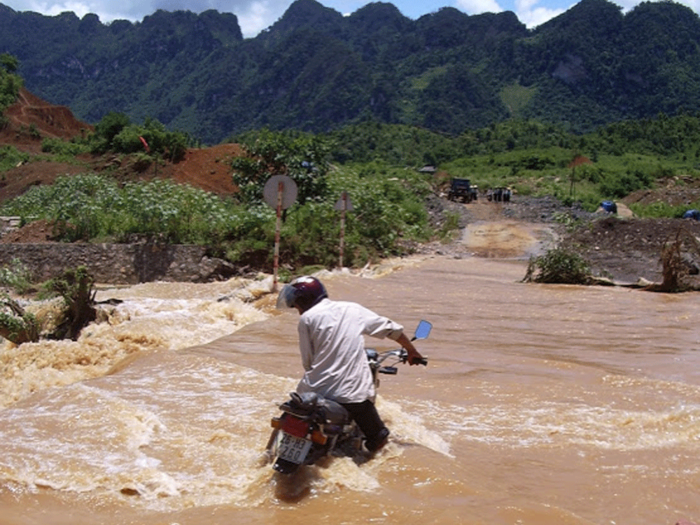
[[423, 330]]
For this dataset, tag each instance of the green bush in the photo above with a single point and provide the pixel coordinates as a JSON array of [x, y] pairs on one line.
[[658, 210], [387, 211], [11, 157], [248, 239], [388, 208], [450, 227], [311, 235], [63, 148], [116, 133], [619, 185], [558, 266], [16, 276]]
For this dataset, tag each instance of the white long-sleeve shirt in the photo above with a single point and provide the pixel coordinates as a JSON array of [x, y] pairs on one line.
[[333, 349]]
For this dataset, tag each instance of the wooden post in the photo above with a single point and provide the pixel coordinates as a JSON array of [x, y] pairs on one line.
[[280, 189]]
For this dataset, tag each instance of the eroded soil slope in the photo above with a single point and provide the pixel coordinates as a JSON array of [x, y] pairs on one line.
[[32, 119]]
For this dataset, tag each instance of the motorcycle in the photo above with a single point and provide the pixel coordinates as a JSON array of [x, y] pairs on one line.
[[312, 427]]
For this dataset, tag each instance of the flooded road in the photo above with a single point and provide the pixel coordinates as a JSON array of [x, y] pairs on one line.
[[541, 404]]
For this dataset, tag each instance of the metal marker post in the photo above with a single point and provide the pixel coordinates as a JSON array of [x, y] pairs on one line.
[[280, 191], [343, 207]]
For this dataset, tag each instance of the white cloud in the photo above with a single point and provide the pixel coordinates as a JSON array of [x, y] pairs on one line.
[[253, 15], [627, 5], [54, 8], [532, 15], [474, 7], [105, 10], [256, 17], [528, 11]]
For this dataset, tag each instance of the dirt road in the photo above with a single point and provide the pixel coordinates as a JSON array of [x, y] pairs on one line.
[[507, 239], [491, 233]]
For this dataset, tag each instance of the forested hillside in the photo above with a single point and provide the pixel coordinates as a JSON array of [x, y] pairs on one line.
[[316, 70]]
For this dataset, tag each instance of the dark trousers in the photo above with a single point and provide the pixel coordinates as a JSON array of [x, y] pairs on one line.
[[367, 418]]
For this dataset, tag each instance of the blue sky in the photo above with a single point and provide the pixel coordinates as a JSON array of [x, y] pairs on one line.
[[256, 15]]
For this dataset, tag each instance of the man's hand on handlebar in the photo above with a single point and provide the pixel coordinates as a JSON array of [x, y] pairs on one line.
[[416, 360], [412, 355]]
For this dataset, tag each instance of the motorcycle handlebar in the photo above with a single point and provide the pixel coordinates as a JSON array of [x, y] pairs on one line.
[[417, 361], [402, 357], [422, 332]]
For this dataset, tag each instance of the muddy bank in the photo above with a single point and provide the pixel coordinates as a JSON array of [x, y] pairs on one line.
[[623, 249]]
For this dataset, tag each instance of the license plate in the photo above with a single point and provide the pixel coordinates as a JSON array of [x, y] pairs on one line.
[[293, 448]]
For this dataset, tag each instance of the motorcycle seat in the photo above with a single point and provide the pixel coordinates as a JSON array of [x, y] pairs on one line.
[[308, 403], [335, 413]]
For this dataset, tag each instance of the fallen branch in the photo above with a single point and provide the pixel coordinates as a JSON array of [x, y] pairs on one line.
[[16, 325], [676, 269]]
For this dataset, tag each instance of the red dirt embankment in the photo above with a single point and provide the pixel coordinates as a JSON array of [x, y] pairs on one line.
[[32, 119], [31, 115]]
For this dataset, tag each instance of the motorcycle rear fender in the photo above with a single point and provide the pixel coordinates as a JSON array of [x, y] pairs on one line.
[[296, 426]]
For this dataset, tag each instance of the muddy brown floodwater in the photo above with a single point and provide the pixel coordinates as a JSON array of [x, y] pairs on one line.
[[541, 404]]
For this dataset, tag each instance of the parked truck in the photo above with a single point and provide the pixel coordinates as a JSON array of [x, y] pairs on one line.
[[460, 189]]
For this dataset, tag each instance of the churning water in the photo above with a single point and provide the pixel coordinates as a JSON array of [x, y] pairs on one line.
[[541, 405]]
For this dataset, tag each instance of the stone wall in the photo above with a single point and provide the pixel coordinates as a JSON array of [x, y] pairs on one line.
[[118, 263], [8, 224]]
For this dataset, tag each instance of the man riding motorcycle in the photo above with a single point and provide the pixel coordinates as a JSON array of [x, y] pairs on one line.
[[333, 351]]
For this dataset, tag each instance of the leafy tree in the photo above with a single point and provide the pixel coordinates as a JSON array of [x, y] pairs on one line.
[[394, 144], [9, 63], [108, 128], [303, 157], [116, 133], [620, 185], [10, 83]]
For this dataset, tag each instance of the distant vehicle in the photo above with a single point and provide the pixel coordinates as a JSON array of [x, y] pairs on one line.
[[460, 189]]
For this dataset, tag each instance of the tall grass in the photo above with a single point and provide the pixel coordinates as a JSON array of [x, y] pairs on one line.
[[89, 207], [94, 207]]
